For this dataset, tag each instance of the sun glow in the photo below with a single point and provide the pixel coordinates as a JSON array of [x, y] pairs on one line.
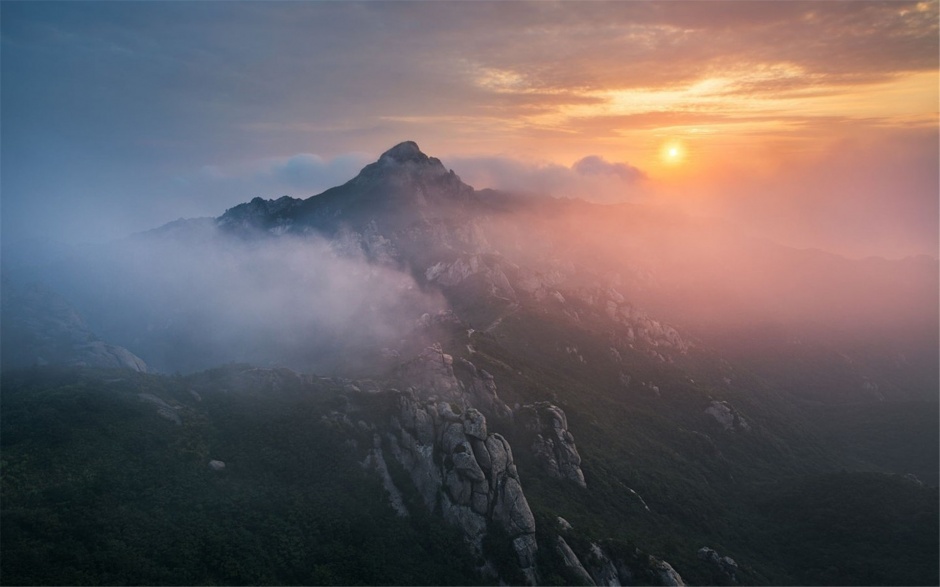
[[672, 153]]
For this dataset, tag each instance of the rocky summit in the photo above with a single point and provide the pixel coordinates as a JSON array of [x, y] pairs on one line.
[[408, 152]]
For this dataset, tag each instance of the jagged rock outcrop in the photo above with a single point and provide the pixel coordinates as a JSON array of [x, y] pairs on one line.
[[432, 373], [458, 466], [726, 416], [465, 472], [370, 244], [488, 267], [724, 565], [552, 443], [435, 374], [572, 563], [665, 573], [541, 284], [637, 327], [597, 565], [602, 568], [481, 389]]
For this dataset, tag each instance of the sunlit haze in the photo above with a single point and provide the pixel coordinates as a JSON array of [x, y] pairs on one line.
[[470, 293], [811, 123]]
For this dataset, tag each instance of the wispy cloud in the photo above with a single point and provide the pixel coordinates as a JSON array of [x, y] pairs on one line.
[[590, 178]]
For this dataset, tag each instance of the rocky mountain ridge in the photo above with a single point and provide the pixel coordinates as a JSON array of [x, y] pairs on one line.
[[471, 414]]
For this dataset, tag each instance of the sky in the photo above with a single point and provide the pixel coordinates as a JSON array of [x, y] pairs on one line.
[[812, 123]]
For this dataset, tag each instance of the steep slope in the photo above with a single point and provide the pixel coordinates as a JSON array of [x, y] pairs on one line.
[[400, 209]]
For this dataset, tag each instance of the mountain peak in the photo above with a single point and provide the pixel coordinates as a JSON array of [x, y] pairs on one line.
[[405, 157], [404, 152]]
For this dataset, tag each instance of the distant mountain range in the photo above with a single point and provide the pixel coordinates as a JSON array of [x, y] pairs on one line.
[[568, 392]]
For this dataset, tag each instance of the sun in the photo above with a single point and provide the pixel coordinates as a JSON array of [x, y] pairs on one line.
[[672, 152]]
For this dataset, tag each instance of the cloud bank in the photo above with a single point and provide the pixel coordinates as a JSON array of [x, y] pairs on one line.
[[591, 178], [187, 297]]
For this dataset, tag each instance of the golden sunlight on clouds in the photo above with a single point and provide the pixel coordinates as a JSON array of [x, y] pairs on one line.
[[769, 91], [911, 98], [501, 80], [774, 104]]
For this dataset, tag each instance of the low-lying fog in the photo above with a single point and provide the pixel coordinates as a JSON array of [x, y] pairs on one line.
[[186, 296], [191, 297]]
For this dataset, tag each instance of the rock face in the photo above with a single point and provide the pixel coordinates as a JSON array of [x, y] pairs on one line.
[[572, 563], [602, 569], [725, 565], [458, 466], [665, 573], [552, 444], [432, 372], [488, 267], [466, 472], [597, 566], [481, 388], [727, 416], [639, 326]]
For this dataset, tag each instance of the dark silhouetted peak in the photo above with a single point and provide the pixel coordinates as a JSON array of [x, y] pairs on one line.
[[402, 181], [407, 155], [405, 152], [406, 162]]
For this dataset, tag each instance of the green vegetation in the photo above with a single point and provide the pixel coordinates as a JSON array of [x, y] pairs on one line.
[[709, 487], [97, 488], [855, 529], [901, 437]]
